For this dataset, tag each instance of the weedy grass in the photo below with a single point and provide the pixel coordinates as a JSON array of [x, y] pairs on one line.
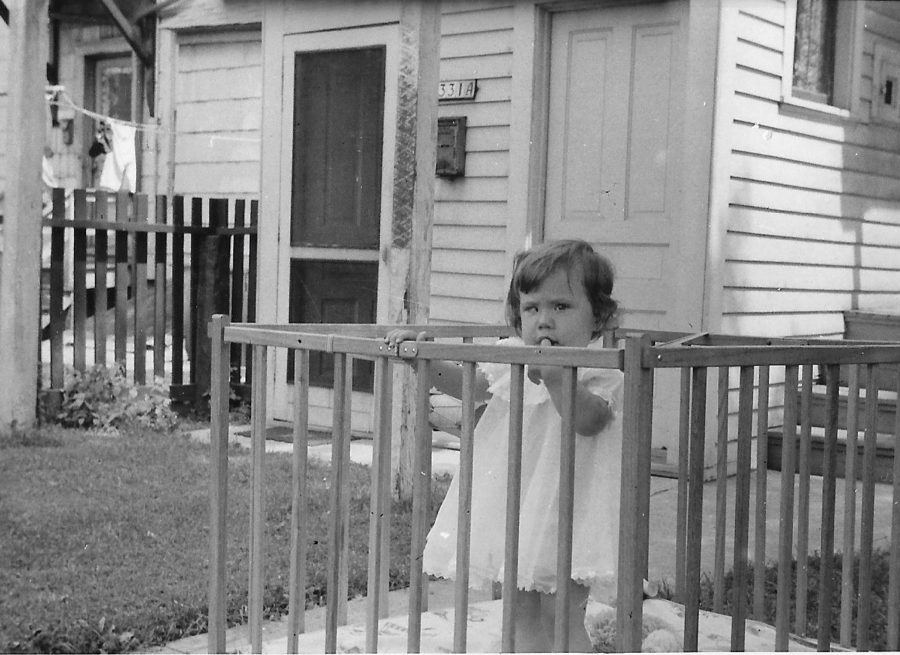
[[105, 541]]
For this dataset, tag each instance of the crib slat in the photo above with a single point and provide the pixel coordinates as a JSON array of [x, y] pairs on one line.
[[381, 475], [421, 490], [159, 303], [464, 526], [695, 510], [634, 506], [237, 285], [742, 510], [721, 492], [257, 501], [684, 440], [251, 280], [762, 470], [893, 620], [786, 511], [336, 536], [867, 518], [829, 456], [218, 433], [566, 512], [79, 282], [848, 584], [513, 490], [803, 500], [344, 580], [299, 510]]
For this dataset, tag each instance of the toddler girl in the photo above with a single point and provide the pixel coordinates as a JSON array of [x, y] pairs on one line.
[[559, 295]]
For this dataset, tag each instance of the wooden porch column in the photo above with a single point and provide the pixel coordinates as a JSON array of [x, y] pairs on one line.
[[20, 273], [409, 254]]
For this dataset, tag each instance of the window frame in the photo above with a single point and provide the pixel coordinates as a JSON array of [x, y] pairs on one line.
[[847, 57]]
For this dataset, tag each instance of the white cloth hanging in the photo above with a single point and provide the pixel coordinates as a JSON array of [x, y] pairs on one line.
[[120, 166]]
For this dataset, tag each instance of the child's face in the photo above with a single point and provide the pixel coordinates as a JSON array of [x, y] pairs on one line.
[[559, 310]]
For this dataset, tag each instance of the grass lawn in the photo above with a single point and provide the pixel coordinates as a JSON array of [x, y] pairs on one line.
[[105, 541]]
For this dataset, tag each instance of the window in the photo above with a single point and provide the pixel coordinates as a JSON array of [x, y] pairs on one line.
[[822, 42]]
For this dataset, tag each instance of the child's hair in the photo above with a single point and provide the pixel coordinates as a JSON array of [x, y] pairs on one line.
[[531, 267]]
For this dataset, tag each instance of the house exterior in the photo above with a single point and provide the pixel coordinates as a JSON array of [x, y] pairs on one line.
[[736, 159]]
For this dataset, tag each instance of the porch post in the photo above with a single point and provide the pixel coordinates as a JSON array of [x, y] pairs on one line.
[[20, 273], [409, 254]]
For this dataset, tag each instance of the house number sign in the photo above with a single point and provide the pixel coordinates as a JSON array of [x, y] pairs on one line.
[[456, 90]]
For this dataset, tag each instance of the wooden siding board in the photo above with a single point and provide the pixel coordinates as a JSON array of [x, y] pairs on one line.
[[447, 260], [765, 113], [462, 285], [760, 26], [493, 214], [486, 188], [220, 116], [766, 141], [816, 177], [488, 138], [881, 22], [218, 147], [758, 84], [482, 164], [481, 114], [490, 239], [483, 67], [752, 56], [227, 83], [768, 11], [462, 19], [208, 56], [794, 324], [748, 193], [222, 178], [761, 301], [754, 247], [496, 42], [800, 226], [803, 276], [444, 309]]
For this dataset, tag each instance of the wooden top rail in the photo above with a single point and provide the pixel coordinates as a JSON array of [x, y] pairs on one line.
[[761, 355], [370, 345], [132, 226], [374, 330]]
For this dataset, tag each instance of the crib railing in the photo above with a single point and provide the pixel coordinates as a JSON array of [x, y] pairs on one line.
[[771, 367]]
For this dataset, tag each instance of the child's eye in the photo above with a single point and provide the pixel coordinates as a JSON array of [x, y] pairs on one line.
[[561, 306], [529, 309]]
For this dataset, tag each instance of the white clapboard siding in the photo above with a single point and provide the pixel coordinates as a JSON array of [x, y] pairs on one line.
[[218, 109], [468, 276], [813, 223]]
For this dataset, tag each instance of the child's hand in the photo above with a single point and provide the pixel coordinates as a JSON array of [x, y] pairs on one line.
[[398, 335], [551, 376]]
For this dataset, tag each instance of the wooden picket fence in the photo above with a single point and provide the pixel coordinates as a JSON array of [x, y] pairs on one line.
[[705, 363], [132, 274]]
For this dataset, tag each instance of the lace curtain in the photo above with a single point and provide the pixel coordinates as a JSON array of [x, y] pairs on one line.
[[814, 49]]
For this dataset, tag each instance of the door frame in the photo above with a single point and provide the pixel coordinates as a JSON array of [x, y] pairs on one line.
[[386, 36]]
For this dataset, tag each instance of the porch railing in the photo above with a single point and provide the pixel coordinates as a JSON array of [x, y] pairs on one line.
[[785, 364], [132, 274]]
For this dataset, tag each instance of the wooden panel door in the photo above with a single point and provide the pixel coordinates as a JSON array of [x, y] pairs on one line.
[[614, 145]]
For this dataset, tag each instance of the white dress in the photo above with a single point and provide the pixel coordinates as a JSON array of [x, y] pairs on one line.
[[597, 479]]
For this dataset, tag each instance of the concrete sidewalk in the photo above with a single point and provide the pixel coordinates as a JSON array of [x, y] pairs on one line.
[[663, 506]]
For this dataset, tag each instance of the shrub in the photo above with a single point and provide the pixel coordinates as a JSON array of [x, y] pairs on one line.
[[104, 398]]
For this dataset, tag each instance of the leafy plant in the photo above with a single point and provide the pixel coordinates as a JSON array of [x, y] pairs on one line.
[[103, 398]]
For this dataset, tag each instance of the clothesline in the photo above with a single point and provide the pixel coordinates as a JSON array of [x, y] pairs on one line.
[[57, 95]]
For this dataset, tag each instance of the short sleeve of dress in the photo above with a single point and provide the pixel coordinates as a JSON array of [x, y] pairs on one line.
[[496, 372], [608, 383]]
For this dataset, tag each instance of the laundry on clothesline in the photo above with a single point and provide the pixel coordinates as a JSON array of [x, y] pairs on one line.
[[120, 166]]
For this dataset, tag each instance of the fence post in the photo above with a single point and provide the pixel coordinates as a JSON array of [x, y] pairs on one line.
[[212, 291], [634, 512]]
